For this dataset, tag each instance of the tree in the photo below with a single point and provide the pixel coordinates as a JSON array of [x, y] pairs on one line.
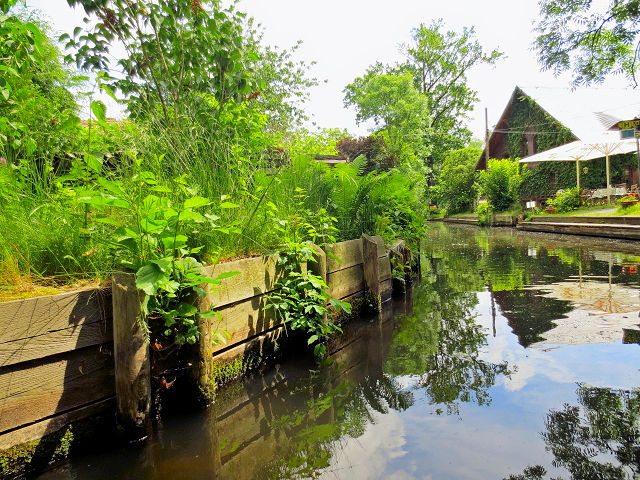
[[284, 82], [37, 109], [392, 102], [437, 62], [175, 50], [589, 39], [500, 183], [455, 182]]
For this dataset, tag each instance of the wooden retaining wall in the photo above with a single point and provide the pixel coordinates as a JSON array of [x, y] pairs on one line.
[[55, 359], [56, 352]]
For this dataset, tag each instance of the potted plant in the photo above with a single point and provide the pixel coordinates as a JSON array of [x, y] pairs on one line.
[[628, 200], [550, 208]]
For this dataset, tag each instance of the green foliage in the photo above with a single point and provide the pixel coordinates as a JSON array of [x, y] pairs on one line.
[[439, 61], [373, 148], [153, 235], [484, 212], [566, 201], [500, 183], [456, 188], [590, 39], [301, 297], [284, 82], [37, 110], [174, 51], [393, 103], [305, 142]]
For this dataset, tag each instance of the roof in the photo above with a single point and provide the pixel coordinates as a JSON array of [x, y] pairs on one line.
[[586, 112]]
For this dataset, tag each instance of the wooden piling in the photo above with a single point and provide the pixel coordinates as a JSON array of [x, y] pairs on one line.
[[319, 267], [371, 270], [203, 373], [131, 354]]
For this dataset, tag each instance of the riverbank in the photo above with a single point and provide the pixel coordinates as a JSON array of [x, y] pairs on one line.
[[67, 360], [626, 227], [623, 227]]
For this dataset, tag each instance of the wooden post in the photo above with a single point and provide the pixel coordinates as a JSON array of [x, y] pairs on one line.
[[319, 267], [131, 354], [203, 372], [408, 279], [397, 258], [370, 266]]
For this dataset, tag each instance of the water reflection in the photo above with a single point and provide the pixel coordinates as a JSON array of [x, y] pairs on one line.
[[458, 381], [597, 439]]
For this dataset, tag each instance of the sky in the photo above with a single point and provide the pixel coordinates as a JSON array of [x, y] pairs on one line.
[[344, 37]]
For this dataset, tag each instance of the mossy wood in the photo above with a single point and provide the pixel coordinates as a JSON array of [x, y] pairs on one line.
[[371, 267], [73, 332], [131, 349], [343, 255], [42, 326], [256, 276]]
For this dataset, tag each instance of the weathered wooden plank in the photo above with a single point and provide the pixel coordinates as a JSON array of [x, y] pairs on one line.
[[349, 253], [384, 268], [382, 251], [50, 343], [37, 430], [42, 326], [348, 281], [244, 320], [30, 392], [319, 267], [257, 276]]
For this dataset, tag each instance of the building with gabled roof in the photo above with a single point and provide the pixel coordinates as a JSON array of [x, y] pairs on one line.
[[536, 119]]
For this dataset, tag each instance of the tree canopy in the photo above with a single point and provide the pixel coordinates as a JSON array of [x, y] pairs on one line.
[[436, 65], [590, 39]]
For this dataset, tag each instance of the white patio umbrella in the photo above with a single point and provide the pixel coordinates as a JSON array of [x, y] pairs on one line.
[[603, 145], [607, 144], [571, 152]]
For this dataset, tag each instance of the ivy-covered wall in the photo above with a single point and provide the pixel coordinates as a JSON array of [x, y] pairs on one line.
[[525, 115], [538, 181]]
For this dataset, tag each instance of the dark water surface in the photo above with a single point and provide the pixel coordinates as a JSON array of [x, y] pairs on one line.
[[507, 362]]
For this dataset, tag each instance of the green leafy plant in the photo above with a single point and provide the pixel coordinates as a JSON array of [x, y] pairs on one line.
[[301, 299], [500, 183], [484, 212], [566, 201], [153, 235]]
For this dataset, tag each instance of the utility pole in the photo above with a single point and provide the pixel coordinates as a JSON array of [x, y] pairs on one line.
[[486, 136]]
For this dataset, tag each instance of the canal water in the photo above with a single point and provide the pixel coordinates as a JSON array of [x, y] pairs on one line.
[[506, 361]]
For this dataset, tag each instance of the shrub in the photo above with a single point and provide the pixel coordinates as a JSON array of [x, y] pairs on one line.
[[566, 201], [484, 211], [456, 190], [500, 183]]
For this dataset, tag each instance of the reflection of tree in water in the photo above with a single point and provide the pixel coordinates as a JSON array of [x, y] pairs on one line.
[[600, 439], [440, 341], [526, 322], [312, 433]]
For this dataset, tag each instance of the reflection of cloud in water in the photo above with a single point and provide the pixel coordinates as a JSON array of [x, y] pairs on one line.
[[368, 455]]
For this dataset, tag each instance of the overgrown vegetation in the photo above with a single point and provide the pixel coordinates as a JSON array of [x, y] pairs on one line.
[[212, 162], [500, 183]]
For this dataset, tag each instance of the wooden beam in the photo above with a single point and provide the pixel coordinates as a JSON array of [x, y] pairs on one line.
[[38, 327]]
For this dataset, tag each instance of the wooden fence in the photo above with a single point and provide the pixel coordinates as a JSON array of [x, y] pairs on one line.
[[56, 352]]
